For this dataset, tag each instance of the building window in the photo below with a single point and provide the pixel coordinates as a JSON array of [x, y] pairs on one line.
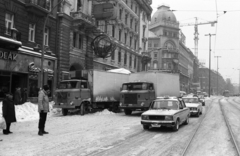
[[113, 31], [126, 18], [77, 40], [131, 23], [120, 34], [113, 55], [135, 62], [135, 44], [119, 56], [165, 33], [136, 26], [131, 5], [149, 45], [155, 55], [125, 58], [125, 36], [120, 13], [46, 37], [130, 41], [155, 45], [143, 17], [130, 60], [144, 28], [9, 22], [31, 35]]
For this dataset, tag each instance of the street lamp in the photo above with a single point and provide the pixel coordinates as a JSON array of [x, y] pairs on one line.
[[217, 71], [43, 44], [209, 87]]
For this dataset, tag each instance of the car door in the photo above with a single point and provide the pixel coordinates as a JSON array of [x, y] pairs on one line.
[[182, 112], [186, 110]]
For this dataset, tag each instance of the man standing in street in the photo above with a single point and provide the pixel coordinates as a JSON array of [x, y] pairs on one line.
[[43, 109]]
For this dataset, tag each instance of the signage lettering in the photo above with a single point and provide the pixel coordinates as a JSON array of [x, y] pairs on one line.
[[8, 56]]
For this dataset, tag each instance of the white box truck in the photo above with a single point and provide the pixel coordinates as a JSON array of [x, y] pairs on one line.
[[144, 87], [99, 89]]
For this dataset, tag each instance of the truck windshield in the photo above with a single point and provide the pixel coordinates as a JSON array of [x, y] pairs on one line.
[[68, 85], [165, 104], [136, 86]]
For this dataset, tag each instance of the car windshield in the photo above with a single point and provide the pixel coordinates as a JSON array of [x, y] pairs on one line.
[[68, 85], [190, 100], [165, 104]]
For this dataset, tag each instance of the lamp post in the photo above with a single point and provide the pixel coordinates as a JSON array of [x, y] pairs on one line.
[[209, 84], [43, 44], [217, 71]]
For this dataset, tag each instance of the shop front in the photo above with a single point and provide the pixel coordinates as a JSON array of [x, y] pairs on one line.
[[22, 69]]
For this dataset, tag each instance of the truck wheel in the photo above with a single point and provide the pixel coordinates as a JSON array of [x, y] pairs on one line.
[[64, 112], [176, 126], [82, 109], [127, 111], [146, 127]]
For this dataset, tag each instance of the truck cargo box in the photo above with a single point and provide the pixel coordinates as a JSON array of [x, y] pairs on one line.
[[106, 85], [164, 83]]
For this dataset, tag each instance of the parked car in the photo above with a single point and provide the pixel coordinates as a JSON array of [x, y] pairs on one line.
[[194, 105], [201, 99], [168, 112]]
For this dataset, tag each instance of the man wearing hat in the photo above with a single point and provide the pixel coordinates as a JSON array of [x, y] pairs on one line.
[[43, 109]]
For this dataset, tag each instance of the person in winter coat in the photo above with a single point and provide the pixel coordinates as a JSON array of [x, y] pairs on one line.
[[8, 111], [17, 96], [43, 109]]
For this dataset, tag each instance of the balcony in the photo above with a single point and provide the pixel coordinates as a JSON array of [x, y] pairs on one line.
[[38, 7], [10, 38], [79, 18]]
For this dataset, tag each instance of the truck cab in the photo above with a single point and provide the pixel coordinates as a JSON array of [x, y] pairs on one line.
[[136, 96], [71, 94]]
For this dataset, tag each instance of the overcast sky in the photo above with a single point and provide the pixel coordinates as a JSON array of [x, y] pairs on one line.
[[226, 43]]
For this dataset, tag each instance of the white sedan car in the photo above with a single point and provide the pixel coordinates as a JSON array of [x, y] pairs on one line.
[[194, 105]]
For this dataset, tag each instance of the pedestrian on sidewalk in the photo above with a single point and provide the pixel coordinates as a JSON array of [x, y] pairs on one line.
[[8, 111], [43, 109]]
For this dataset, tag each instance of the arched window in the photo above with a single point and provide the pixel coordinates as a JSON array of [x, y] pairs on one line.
[[155, 65]]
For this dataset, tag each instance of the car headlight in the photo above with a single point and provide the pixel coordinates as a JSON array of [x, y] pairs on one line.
[[142, 104], [120, 104], [71, 103], [168, 117], [145, 117]]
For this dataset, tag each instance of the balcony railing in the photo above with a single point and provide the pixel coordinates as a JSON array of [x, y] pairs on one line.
[[10, 33], [170, 50], [39, 7], [82, 16]]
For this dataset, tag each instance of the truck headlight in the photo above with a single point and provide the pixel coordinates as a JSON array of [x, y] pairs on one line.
[[120, 104], [142, 104], [145, 117], [168, 117]]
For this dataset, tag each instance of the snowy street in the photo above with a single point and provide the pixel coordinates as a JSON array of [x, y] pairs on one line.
[[107, 133]]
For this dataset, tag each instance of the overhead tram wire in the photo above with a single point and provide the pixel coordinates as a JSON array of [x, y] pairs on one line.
[[215, 40]]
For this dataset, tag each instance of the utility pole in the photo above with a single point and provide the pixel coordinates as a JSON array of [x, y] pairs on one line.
[[217, 71], [209, 84]]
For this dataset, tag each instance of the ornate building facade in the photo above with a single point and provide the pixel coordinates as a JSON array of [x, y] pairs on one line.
[[127, 30], [22, 35]]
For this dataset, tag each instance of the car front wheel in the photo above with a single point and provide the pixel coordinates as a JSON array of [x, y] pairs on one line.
[[176, 126]]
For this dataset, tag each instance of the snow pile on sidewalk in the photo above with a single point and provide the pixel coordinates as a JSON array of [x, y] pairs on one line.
[[29, 111], [104, 112]]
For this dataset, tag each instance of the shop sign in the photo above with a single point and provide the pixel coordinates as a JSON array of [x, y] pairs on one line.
[[8, 55]]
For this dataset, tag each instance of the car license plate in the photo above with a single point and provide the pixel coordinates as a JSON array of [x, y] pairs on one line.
[[156, 125]]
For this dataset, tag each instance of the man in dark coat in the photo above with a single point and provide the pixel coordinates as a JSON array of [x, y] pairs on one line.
[[8, 111]]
